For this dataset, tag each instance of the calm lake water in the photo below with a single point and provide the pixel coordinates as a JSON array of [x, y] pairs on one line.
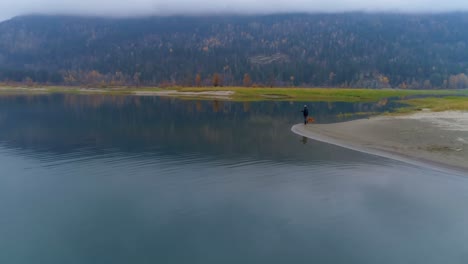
[[116, 179]]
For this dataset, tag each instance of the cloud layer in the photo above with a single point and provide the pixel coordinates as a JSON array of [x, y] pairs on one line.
[[169, 7]]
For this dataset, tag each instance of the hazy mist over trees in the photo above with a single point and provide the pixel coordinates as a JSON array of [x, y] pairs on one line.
[[131, 8]]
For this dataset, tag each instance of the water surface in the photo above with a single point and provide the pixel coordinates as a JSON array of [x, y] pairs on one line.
[[102, 179]]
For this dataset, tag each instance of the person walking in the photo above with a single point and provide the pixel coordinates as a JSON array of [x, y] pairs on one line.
[[305, 112]]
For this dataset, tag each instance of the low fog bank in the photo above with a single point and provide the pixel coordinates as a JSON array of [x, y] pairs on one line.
[[130, 8]]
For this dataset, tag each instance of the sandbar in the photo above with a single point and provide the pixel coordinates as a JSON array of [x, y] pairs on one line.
[[436, 139]]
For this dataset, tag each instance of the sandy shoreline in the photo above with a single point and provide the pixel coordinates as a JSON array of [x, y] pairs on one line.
[[210, 94], [435, 139]]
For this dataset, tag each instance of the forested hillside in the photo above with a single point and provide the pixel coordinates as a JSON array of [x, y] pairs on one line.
[[346, 50]]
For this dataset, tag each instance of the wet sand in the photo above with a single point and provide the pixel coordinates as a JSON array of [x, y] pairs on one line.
[[438, 140]]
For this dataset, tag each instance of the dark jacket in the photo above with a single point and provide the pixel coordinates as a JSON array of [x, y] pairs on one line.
[[305, 112]]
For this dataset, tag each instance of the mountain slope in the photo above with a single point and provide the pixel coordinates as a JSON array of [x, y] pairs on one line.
[[366, 50]]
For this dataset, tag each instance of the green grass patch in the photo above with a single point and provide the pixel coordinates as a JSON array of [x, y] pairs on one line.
[[283, 94], [454, 103], [321, 94]]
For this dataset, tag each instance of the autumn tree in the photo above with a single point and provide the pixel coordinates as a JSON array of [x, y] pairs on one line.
[[458, 81], [94, 78], [247, 81], [69, 77], [198, 80], [216, 80], [384, 81]]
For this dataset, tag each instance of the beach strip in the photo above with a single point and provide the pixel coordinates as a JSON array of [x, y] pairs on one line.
[[435, 139]]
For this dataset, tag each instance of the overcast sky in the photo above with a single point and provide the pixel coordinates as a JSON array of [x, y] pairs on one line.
[[10, 8]]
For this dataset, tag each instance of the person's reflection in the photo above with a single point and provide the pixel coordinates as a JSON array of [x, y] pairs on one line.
[[304, 140]]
